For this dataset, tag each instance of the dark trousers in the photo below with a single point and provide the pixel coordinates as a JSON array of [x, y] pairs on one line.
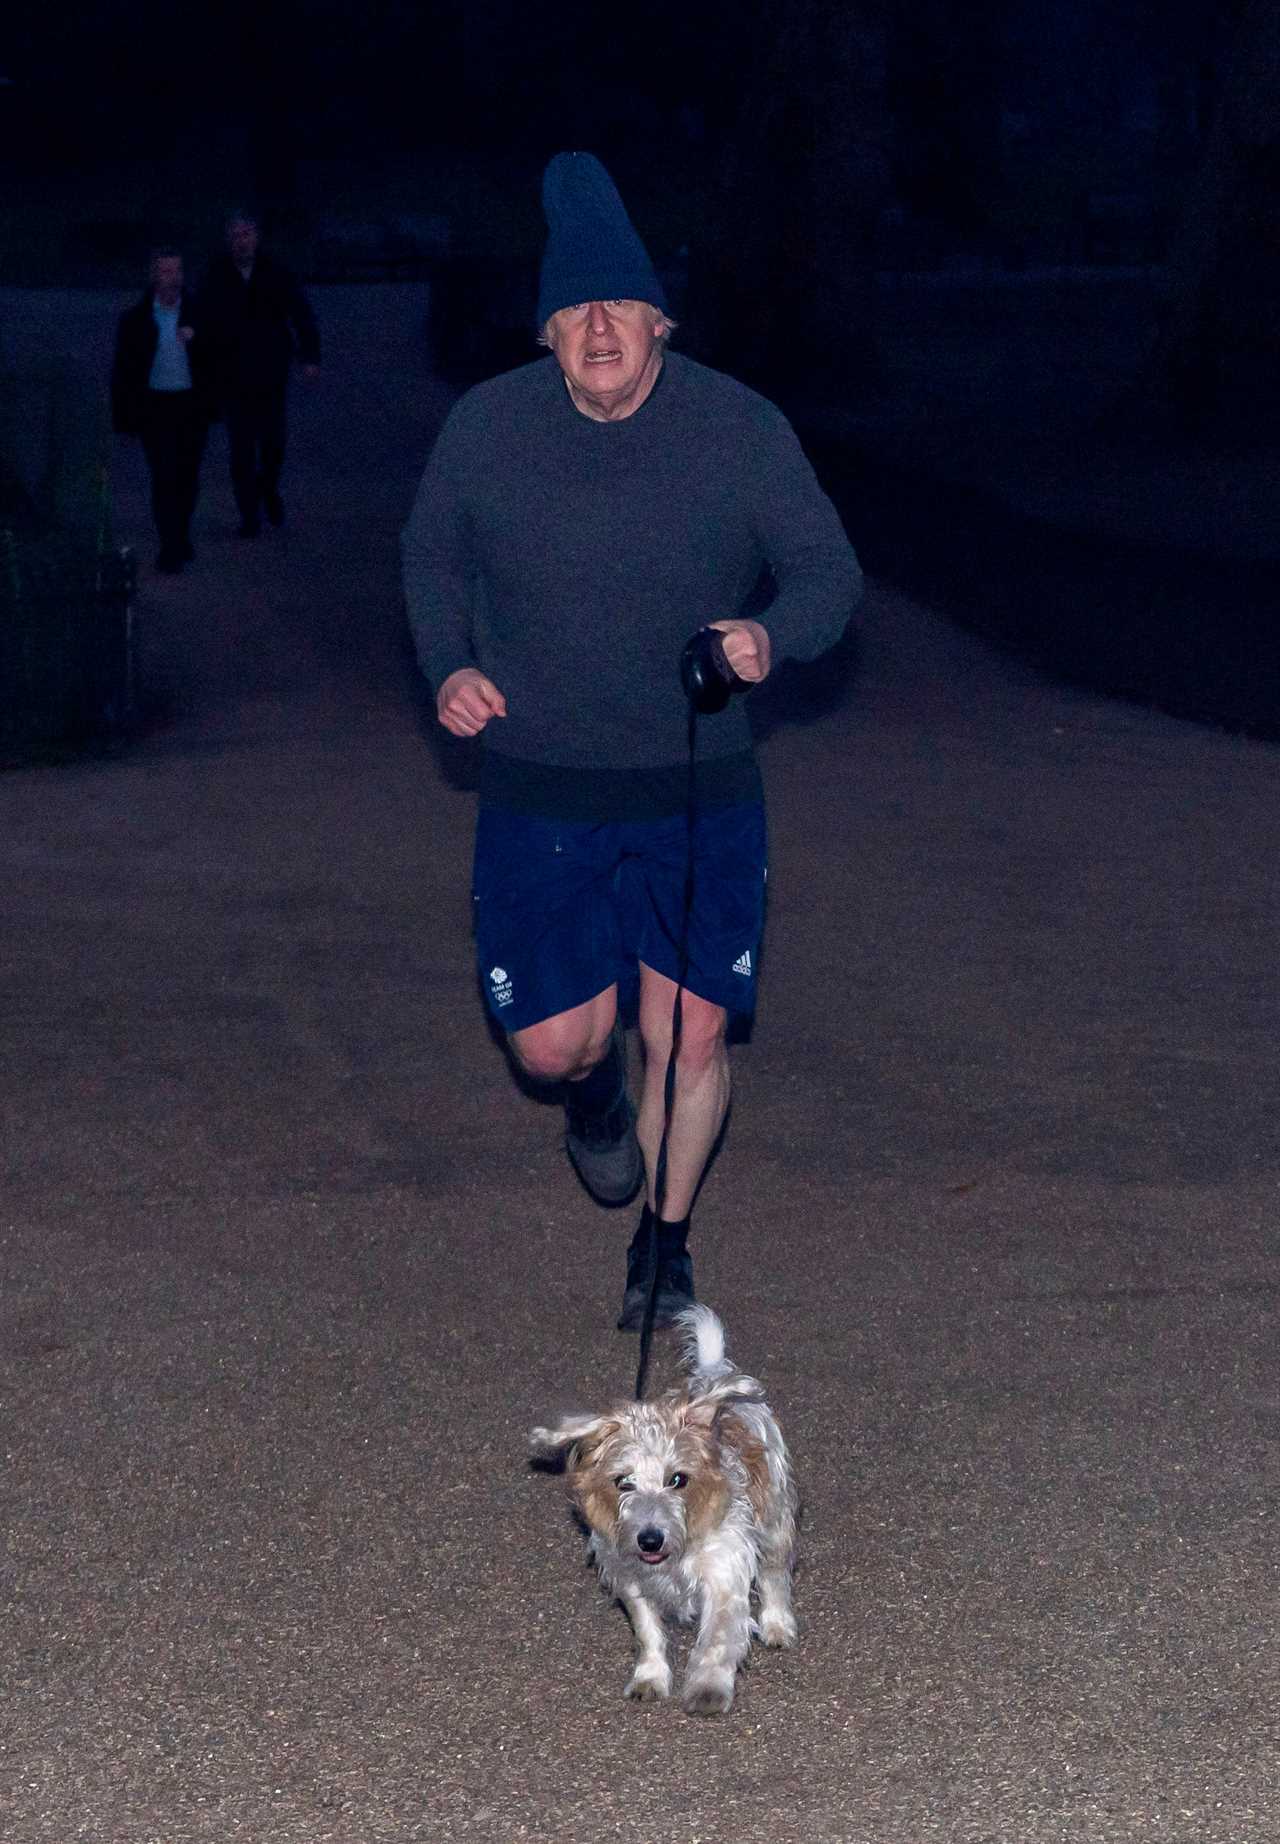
[[173, 438], [255, 435]]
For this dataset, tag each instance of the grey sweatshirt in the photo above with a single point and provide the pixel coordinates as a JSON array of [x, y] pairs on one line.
[[571, 560]]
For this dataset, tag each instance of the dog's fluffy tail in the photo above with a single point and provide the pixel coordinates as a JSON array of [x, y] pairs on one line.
[[702, 1335]]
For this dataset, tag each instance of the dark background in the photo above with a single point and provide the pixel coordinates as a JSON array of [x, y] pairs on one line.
[[1016, 260], [782, 154]]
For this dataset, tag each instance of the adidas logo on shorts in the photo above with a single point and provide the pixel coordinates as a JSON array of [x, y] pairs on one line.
[[743, 965]]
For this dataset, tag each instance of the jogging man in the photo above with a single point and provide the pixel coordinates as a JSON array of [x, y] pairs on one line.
[[578, 520]]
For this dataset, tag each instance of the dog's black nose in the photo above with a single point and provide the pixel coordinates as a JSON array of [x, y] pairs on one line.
[[650, 1540]]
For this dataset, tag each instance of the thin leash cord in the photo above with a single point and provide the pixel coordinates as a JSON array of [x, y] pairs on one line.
[[669, 1082]]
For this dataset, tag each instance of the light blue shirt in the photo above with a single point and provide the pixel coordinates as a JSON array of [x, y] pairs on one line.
[[170, 368]]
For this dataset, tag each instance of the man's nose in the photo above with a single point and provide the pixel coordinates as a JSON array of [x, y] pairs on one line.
[[598, 317]]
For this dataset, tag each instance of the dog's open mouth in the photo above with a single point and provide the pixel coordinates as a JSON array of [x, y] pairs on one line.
[[654, 1556]]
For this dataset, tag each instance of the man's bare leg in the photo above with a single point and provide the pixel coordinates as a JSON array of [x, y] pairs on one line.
[[698, 1110], [567, 1048], [583, 1049], [702, 1088]]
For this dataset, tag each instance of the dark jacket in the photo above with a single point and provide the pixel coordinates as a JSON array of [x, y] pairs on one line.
[[136, 339], [256, 328]]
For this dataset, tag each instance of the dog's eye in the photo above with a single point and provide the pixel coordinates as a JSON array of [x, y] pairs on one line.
[[678, 1481], [625, 1483]]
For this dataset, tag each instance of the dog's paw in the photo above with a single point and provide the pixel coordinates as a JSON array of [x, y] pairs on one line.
[[777, 1627], [711, 1695], [650, 1683]]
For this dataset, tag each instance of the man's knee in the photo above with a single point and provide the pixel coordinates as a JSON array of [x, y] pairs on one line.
[[703, 1029], [702, 1042], [564, 1048]]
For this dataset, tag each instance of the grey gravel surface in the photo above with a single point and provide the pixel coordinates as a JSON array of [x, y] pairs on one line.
[[290, 1265]]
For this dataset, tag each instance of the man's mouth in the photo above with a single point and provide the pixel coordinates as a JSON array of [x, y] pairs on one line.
[[608, 356]]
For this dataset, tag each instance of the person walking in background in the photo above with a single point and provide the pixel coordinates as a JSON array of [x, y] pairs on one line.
[[258, 320], [160, 391]]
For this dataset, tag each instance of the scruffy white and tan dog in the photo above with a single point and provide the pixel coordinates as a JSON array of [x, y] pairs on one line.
[[690, 1503]]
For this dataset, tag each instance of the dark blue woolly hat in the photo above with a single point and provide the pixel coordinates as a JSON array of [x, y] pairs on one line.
[[593, 252]]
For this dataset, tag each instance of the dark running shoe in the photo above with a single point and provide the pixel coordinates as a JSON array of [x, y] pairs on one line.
[[603, 1148], [604, 1151], [675, 1282]]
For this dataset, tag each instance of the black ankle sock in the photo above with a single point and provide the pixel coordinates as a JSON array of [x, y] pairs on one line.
[[672, 1236], [597, 1091]]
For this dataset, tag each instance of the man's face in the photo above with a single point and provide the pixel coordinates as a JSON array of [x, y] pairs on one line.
[[609, 353], [242, 240], [166, 279]]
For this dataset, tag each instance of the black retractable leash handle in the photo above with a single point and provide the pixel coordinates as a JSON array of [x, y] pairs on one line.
[[709, 682]]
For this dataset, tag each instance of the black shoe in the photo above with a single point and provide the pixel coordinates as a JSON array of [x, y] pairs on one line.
[[675, 1281], [604, 1152], [248, 528], [603, 1148], [273, 507]]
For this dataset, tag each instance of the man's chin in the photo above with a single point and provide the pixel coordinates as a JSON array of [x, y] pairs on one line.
[[609, 375], [602, 387], [607, 389]]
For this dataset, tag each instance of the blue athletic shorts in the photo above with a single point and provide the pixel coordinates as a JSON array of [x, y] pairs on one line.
[[564, 910]]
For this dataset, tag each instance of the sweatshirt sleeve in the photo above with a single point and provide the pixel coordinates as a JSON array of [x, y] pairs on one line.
[[436, 555], [818, 577]]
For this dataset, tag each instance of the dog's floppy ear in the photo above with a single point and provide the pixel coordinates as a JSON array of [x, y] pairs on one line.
[[570, 1432], [722, 1394]]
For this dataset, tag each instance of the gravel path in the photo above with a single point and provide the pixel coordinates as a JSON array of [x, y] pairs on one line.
[[289, 1264]]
